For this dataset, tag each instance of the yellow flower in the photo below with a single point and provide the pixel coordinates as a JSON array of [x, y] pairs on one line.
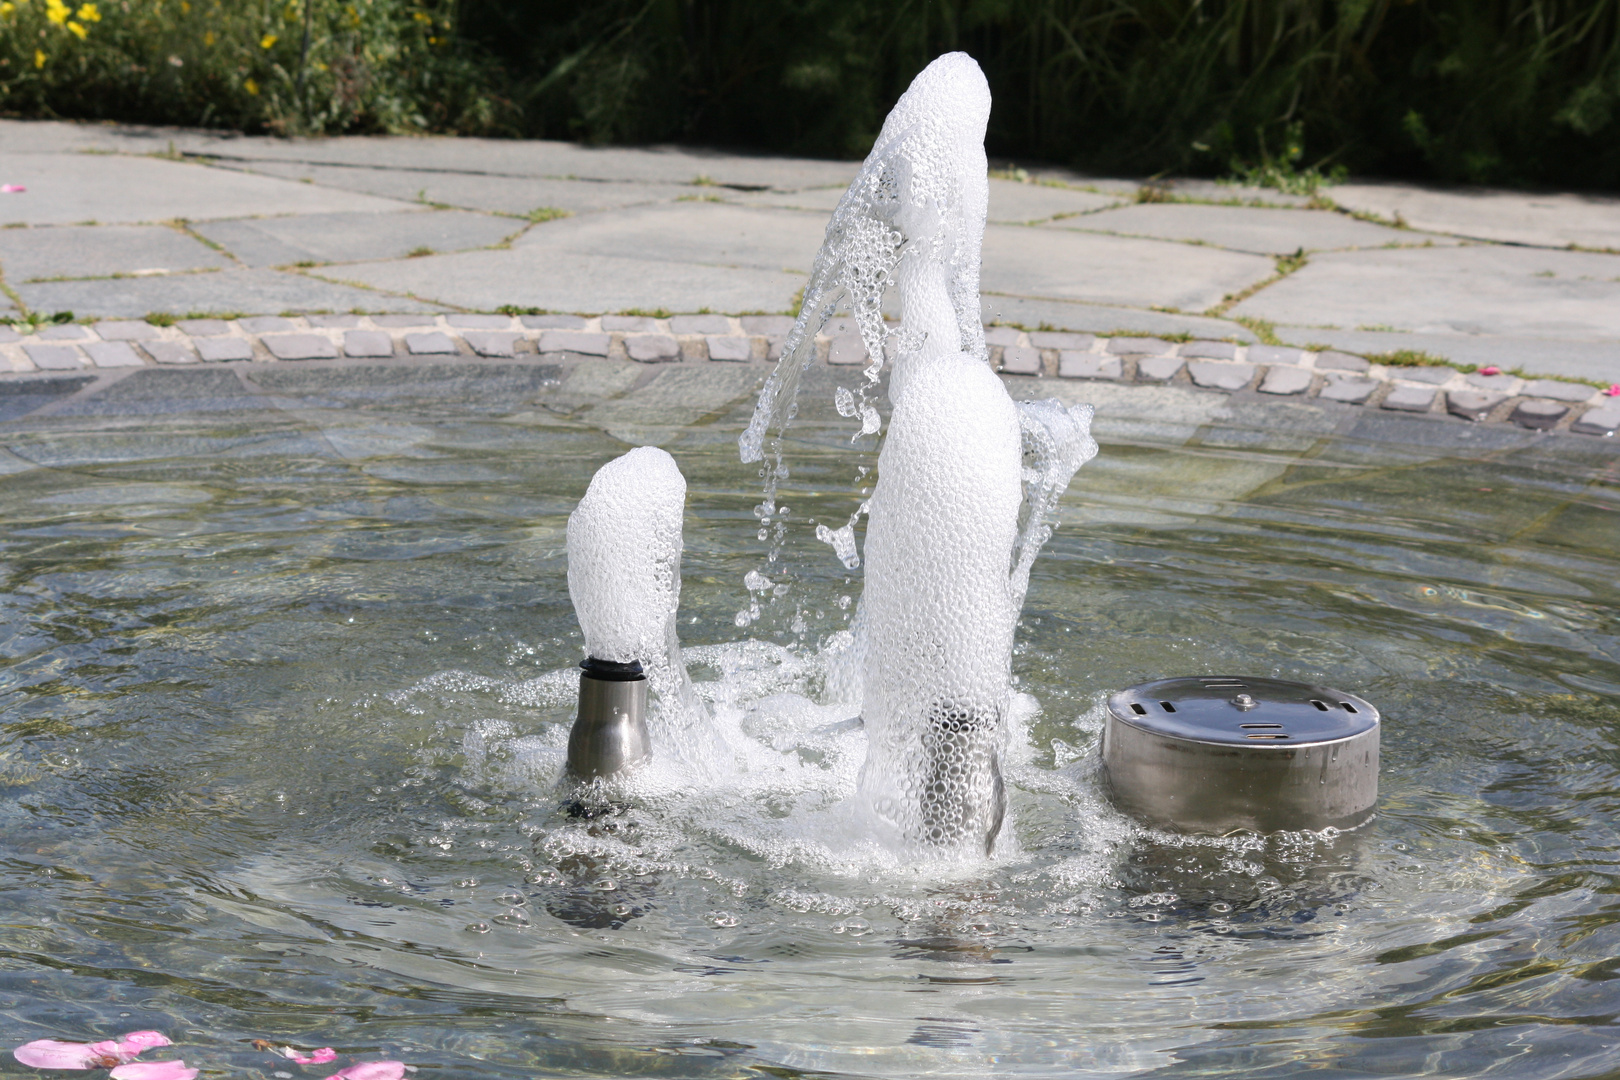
[[251, 87], [421, 16], [267, 41], [209, 38], [88, 13], [185, 8], [39, 59], [78, 31], [56, 11], [6, 8]]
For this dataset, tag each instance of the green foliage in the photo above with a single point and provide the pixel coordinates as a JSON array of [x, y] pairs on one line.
[[1286, 93], [289, 66]]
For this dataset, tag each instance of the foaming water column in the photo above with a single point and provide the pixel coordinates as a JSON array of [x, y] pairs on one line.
[[967, 479], [624, 562]]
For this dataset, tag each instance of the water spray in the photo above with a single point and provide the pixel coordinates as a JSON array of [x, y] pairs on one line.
[[624, 560]]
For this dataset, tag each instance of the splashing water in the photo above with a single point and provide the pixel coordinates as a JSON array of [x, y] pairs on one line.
[[624, 577], [968, 481]]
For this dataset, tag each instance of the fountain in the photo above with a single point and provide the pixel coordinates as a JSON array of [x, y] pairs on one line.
[[968, 481]]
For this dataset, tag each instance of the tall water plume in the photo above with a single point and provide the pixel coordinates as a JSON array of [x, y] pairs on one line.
[[967, 479]]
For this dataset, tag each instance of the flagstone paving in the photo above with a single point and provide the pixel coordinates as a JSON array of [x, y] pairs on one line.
[[126, 223]]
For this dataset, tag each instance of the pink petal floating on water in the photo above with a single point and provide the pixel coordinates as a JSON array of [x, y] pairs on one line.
[[1490, 370], [11, 189], [371, 1070], [316, 1057], [154, 1070], [55, 1054], [137, 1041]]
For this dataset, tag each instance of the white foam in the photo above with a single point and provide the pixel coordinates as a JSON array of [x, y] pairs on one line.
[[922, 192], [939, 609], [624, 556]]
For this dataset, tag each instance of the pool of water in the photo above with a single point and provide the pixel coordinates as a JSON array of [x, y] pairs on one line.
[[285, 691]]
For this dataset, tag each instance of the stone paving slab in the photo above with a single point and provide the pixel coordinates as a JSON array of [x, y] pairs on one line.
[[1471, 290], [1263, 231], [516, 195], [652, 239], [1096, 268], [1515, 217], [352, 237], [100, 251], [219, 291], [67, 189], [538, 277]]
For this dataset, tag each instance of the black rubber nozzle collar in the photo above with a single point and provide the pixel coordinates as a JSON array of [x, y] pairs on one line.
[[612, 670]]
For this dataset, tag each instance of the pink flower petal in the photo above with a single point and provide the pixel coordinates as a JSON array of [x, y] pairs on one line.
[[370, 1070], [154, 1070], [316, 1057], [10, 189], [137, 1041], [1491, 370], [55, 1054], [1612, 391]]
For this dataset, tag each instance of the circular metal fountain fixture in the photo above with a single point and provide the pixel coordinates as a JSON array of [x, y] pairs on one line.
[[1219, 754], [610, 733]]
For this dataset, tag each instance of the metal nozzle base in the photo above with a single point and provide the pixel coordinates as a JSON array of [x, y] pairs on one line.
[[610, 731]]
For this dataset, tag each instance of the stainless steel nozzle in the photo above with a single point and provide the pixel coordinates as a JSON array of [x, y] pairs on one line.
[[1216, 754], [610, 731]]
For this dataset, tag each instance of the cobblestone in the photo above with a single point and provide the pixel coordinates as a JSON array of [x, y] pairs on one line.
[[1283, 379], [1158, 368], [1021, 360], [1213, 375], [430, 343], [1539, 415], [651, 348], [1602, 420], [1084, 365], [729, 347], [204, 327], [299, 347], [575, 341], [111, 354], [367, 343], [169, 352], [1409, 399], [1349, 391], [54, 357], [493, 343], [1472, 404], [68, 332], [217, 350]]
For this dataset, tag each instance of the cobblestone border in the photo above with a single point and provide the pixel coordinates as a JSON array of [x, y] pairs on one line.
[[1217, 366]]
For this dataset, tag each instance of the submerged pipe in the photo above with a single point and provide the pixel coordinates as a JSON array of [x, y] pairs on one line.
[[610, 730]]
